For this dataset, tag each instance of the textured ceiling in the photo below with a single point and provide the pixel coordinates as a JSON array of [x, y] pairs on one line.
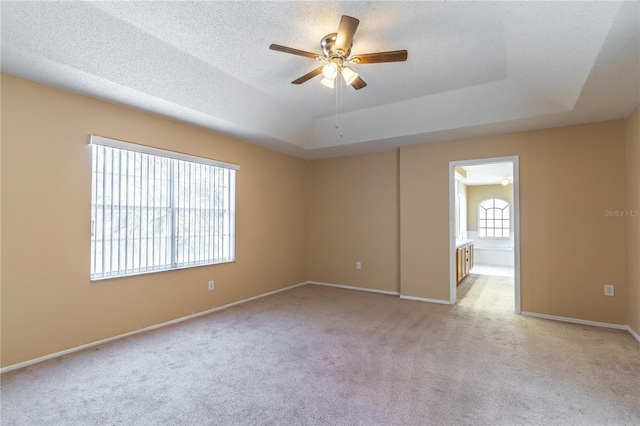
[[474, 68]]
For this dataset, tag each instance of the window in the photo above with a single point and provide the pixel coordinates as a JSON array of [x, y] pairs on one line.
[[155, 210], [493, 218]]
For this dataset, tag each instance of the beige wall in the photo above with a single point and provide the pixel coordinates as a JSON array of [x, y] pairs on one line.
[[48, 301], [478, 193], [299, 221], [633, 222], [353, 216], [569, 248]]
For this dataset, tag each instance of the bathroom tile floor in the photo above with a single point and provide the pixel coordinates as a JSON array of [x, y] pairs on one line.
[[495, 270]]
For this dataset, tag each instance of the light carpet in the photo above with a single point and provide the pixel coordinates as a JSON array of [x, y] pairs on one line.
[[326, 356]]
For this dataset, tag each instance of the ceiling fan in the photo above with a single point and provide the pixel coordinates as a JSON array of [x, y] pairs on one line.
[[336, 48]]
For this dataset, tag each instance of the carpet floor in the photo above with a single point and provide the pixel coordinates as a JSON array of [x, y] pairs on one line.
[[317, 355]]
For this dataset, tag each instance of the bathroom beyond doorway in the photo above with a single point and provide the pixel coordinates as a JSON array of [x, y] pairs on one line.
[[484, 219]]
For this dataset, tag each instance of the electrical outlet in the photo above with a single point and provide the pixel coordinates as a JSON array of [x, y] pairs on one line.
[[608, 290], [211, 285], [358, 265]]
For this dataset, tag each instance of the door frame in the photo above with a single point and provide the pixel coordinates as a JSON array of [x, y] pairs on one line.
[[515, 160]]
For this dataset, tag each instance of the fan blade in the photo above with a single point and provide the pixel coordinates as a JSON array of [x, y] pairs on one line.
[[375, 58], [293, 51], [307, 76], [347, 29], [358, 83]]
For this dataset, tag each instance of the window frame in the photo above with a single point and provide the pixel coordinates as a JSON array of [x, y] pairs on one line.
[[493, 228], [175, 161]]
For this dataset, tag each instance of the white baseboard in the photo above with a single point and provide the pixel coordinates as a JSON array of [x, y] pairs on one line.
[[373, 290], [576, 321], [348, 287], [219, 308], [142, 330], [633, 333], [424, 299], [584, 322]]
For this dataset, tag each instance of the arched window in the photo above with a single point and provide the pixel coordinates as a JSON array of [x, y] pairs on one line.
[[493, 218]]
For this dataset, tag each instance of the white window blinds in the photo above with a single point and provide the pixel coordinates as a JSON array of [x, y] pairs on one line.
[[154, 210]]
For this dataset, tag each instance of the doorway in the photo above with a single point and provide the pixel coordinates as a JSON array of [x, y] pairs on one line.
[[494, 218]]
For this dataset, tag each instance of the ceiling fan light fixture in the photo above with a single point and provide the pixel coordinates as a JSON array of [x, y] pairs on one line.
[[330, 71], [336, 53], [349, 75], [327, 82]]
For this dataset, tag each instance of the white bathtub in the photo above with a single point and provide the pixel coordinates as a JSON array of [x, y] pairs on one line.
[[502, 256]]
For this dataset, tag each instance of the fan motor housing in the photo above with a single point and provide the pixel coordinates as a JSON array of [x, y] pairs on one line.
[[328, 44]]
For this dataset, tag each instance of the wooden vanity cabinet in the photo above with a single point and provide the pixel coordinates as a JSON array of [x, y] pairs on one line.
[[464, 261]]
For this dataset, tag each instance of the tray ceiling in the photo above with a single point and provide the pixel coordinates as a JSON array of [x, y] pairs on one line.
[[474, 68]]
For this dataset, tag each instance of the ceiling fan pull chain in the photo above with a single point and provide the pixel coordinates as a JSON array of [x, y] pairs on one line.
[[341, 88], [336, 96]]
